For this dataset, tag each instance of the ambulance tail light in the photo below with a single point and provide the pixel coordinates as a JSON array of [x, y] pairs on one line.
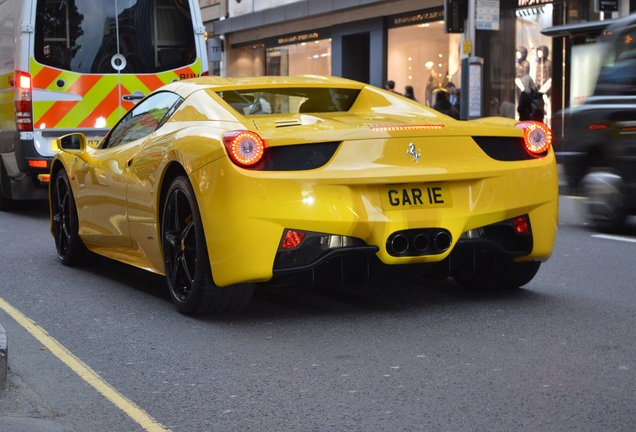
[[23, 102], [38, 163]]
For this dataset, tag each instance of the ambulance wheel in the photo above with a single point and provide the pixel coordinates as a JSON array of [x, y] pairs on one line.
[[6, 204], [185, 254], [64, 222]]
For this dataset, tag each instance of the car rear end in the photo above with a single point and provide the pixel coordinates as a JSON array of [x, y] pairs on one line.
[[378, 191]]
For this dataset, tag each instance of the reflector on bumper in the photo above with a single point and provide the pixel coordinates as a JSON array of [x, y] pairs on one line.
[[316, 248]]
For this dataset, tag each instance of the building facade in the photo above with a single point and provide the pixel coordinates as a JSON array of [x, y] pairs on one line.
[[406, 41]]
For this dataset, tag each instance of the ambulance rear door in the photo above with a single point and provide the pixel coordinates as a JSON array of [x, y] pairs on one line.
[[93, 60]]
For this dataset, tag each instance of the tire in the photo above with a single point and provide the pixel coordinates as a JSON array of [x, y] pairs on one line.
[[64, 222], [6, 204], [492, 274], [605, 204], [186, 261]]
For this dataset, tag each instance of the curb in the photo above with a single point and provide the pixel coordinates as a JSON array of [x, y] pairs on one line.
[[4, 359]]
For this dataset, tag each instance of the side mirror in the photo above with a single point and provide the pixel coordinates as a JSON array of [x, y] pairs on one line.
[[73, 143]]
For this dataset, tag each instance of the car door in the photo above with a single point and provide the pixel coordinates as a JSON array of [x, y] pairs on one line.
[[102, 193]]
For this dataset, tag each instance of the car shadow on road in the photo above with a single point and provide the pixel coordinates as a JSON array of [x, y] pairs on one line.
[[387, 297], [379, 298], [131, 277], [412, 296]]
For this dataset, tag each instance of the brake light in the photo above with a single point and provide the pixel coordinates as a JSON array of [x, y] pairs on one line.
[[23, 102], [37, 163], [401, 127], [245, 147], [537, 137], [292, 239], [521, 225], [599, 126]]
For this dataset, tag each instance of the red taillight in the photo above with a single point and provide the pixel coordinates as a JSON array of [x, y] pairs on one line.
[[245, 147], [292, 239], [521, 225], [23, 105], [37, 163], [537, 137], [599, 126]]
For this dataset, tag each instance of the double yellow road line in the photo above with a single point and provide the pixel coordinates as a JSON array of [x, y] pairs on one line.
[[84, 371]]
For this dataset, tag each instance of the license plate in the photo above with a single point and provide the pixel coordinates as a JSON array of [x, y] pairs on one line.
[[415, 196]]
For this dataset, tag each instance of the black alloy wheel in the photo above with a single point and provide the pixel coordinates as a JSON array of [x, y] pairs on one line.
[[64, 222], [186, 261]]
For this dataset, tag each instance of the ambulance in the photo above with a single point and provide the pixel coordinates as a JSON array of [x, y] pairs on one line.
[[80, 65]]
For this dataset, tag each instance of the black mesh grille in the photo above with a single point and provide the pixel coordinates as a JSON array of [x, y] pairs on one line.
[[504, 148], [296, 157]]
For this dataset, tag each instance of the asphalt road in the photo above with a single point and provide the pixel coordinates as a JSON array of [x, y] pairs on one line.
[[101, 348]]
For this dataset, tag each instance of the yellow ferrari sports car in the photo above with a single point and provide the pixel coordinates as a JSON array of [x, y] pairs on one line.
[[224, 185]]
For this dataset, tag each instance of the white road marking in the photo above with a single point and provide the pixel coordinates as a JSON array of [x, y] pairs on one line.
[[615, 238]]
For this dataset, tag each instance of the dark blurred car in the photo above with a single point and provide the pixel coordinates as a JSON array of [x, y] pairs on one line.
[[598, 149]]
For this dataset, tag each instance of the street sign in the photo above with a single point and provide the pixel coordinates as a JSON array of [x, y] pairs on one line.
[[606, 5], [455, 12], [487, 15]]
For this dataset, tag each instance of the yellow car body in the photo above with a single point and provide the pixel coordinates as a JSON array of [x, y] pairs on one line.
[[398, 184]]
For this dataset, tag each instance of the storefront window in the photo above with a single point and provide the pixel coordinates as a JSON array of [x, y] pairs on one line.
[[313, 58], [424, 57], [246, 61], [533, 51]]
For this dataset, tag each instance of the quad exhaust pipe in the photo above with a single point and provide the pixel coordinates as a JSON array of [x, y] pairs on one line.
[[419, 242]]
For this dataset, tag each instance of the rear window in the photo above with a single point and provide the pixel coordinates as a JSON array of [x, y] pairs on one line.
[[84, 35], [290, 100]]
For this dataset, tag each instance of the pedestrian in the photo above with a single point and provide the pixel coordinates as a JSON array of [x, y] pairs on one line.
[[531, 106], [453, 95], [443, 105], [390, 86], [409, 92]]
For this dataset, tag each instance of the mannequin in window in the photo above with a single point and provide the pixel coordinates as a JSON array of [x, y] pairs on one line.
[[543, 75], [522, 67], [433, 82]]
